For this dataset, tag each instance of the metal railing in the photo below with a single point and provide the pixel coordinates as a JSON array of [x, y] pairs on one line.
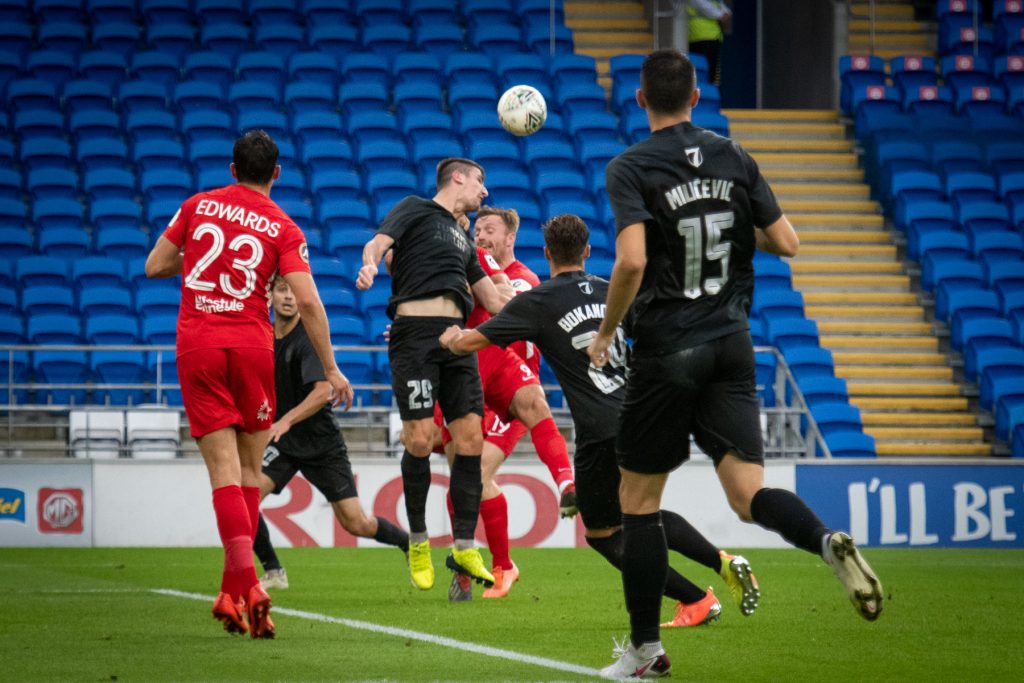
[[788, 426]]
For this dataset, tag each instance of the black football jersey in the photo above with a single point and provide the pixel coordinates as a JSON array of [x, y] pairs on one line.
[[296, 369], [561, 316], [432, 254], [700, 197]]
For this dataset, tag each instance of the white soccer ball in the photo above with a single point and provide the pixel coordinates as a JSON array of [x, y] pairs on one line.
[[522, 110]]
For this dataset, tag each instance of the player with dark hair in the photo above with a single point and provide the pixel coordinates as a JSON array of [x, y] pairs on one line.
[[561, 316], [305, 437], [228, 244], [435, 277], [690, 208]]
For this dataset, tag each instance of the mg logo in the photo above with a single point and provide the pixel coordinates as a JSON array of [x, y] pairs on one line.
[[60, 511]]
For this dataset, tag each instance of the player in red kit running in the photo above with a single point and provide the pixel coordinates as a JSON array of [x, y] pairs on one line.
[[227, 244]]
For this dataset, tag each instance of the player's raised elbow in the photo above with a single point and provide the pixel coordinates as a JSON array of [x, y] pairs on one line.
[[782, 238], [631, 264]]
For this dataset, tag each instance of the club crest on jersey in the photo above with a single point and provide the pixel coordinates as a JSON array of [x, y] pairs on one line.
[[694, 156], [304, 252], [491, 262], [263, 414], [586, 287]]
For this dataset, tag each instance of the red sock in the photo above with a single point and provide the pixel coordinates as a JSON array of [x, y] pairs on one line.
[[252, 504], [236, 537], [550, 447], [494, 512]]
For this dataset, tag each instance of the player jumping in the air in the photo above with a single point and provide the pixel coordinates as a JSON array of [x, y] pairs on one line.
[[227, 244], [690, 208], [561, 316]]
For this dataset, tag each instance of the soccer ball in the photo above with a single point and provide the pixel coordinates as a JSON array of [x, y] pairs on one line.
[[522, 110]]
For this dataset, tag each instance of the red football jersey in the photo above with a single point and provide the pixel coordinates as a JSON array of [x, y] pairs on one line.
[[479, 314], [234, 240], [524, 279]]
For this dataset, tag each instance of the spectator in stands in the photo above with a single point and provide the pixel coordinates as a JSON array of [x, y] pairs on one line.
[[708, 19]]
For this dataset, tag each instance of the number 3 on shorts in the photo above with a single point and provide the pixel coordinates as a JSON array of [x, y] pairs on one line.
[[421, 393]]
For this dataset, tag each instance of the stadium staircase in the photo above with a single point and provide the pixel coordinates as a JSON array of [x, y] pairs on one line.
[[856, 289], [605, 28], [896, 31]]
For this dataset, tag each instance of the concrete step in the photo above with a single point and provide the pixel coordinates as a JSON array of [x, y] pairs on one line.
[[857, 236], [919, 419], [906, 313], [876, 358], [809, 190], [888, 52], [626, 41], [847, 251], [845, 297], [775, 129], [575, 9], [831, 205], [915, 405], [881, 9], [600, 53], [934, 449], [890, 327], [833, 176], [884, 26], [932, 389], [867, 341], [812, 220], [768, 161], [845, 281], [912, 43], [760, 145], [608, 23], [931, 372], [919, 434], [807, 267], [782, 115]]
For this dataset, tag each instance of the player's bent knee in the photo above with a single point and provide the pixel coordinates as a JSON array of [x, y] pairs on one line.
[[530, 405]]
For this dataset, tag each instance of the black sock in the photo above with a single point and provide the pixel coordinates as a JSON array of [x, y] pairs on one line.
[[391, 535], [466, 489], [687, 541], [264, 549], [783, 512], [677, 586], [644, 572], [416, 484]]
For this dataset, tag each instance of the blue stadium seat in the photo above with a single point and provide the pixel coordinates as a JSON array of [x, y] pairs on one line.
[[98, 271], [289, 187], [63, 328], [282, 39], [426, 126], [549, 156], [389, 186], [60, 367], [368, 126], [1006, 157], [313, 67], [790, 332], [438, 39], [47, 300], [26, 94], [16, 37], [509, 186], [327, 12], [15, 242], [38, 123], [1011, 187], [206, 154], [15, 12], [12, 329], [263, 67], [207, 66], [122, 243], [192, 96], [469, 67], [65, 243], [87, 125], [537, 37], [171, 37], [51, 66], [158, 298], [249, 96], [820, 389], [112, 329], [989, 247], [219, 12], [10, 187], [809, 361], [232, 38], [158, 154], [773, 303], [335, 156], [51, 183], [331, 274], [981, 216], [367, 96], [563, 185], [912, 72], [344, 217], [98, 301], [119, 367], [951, 274], [109, 183], [493, 39], [837, 417], [159, 329], [270, 120], [337, 40], [952, 156], [592, 126], [271, 12], [159, 214], [850, 444], [62, 36], [49, 214], [417, 96], [55, 11], [857, 72], [432, 11], [347, 330], [310, 98], [146, 125], [102, 66], [206, 124], [84, 95], [213, 178], [10, 67], [121, 37], [577, 97], [373, 12], [103, 11], [139, 96], [155, 66]]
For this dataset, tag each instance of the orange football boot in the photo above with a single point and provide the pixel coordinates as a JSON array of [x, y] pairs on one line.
[[258, 608], [231, 613], [704, 611], [503, 580]]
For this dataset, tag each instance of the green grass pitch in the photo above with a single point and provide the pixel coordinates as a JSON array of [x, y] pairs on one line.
[[91, 615]]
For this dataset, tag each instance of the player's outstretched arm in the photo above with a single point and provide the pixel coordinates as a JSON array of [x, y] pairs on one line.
[[372, 254], [309, 407], [630, 261], [487, 293], [314, 318], [164, 260], [778, 238], [461, 342]]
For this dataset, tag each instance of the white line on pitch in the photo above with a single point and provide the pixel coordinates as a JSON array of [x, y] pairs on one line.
[[486, 650]]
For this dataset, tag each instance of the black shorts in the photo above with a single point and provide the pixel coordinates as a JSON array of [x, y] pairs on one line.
[[329, 471], [422, 371], [709, 391], [597, 484]]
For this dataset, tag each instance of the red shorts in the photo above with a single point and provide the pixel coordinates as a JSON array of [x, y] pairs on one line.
[[504, 435], [502, 373], [227, 387]]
